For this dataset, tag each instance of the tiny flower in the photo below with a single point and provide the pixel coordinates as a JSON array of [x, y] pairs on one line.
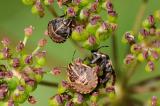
[[5, 41], [42, 42], [92, 40], [84, 14], [63, 86], [56, 71], [151, 20], [3, 91], [109, 6], [56, 100], [71, 12], [154, 101], [15, 62], [110, 89], [48, 2], [152, 31], [32, 100], [136, 48], [144, 32], [129, 37], [80, 98], [46, 32], [6, 52], [20, 46], [69, 103], [129, 59], [150, 66], [94, 6], [28, 31], [28, 59], [94, 19]]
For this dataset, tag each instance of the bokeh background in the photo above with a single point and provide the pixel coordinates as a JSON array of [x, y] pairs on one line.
[[14, 17]]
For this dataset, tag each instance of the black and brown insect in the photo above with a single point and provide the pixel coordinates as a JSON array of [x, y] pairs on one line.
[[84, 78], [60, 29]]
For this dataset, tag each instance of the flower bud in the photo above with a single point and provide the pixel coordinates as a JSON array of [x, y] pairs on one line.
[[20, 46], [91, 43], [102, 32], [69, 103], [150, 66], [20, 95], [3, 91], [28, 59], [129, 59], [28, 2], [56, 71], [15, 62], [32, 100], [56, 101], [12, 83], [84, 14], [63, 86], [128, 37], [5, 41], [28, 31], [42, 42], [48, 2], [78, 98], [136, 48], [79, 34], [71, 12], [40, 58]]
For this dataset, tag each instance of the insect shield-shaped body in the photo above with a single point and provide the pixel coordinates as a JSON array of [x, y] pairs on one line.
[[105, 64], [60, 29], [83, 79]]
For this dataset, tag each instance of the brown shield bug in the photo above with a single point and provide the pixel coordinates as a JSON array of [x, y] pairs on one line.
[[83, 78], [60, 29]]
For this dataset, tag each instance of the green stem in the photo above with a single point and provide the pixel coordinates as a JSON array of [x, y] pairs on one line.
[[36, 50], [115, 54], [25, 40], [49, 84]]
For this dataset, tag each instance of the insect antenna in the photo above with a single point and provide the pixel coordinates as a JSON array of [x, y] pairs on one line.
[[98, 48]]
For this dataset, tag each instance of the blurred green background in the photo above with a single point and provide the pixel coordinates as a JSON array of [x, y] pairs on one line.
[[14, 17]]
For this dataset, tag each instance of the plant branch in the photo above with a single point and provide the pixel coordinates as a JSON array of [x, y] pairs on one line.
[[52, 11], [49, 84]]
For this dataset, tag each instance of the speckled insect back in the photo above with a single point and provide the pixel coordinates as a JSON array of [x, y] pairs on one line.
[[60, 29], [82, 78]]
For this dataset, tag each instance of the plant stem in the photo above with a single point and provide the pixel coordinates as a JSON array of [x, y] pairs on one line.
[[52, 11], [49, 84], [115, 53]]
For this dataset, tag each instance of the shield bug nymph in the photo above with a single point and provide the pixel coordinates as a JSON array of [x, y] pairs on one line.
[[60, 29], [83, 78]]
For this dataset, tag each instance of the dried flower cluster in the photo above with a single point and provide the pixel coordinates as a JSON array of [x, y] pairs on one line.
[[20, 73], [146, 46]]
